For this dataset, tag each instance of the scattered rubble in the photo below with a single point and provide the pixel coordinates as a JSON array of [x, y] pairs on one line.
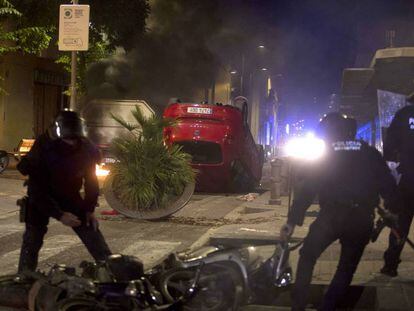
[[248, 197], [203, 221]]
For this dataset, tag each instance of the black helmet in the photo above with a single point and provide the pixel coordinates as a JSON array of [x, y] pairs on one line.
[[336, 126], [68, 124]]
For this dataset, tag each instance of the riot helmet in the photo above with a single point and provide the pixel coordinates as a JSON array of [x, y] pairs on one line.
[[335, 126], [69, 125]]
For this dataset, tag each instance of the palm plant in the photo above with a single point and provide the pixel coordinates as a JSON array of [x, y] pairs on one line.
[[148, 173]]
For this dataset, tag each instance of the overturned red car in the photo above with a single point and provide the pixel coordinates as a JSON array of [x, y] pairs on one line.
[[219, 140]]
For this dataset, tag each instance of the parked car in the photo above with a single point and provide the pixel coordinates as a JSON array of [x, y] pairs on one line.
[[221, 145]]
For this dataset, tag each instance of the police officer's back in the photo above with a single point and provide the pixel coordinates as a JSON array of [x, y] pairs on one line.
[[399, 147], [399, 142], [61, 163], [349, 180]]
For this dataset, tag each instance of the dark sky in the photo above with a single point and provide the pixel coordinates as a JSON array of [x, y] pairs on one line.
[[312, 41]]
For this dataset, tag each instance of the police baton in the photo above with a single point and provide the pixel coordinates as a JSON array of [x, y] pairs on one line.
[[388, 219]]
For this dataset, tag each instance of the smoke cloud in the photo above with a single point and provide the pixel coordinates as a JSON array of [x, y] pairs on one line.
[[173, 59]]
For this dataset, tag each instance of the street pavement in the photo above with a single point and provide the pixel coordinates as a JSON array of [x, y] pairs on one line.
[[207, 219]]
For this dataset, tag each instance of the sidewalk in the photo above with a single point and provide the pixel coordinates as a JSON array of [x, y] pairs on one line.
[[12, 173]]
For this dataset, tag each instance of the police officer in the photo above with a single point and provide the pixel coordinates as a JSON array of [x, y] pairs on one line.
[[348, 179], [60, 163], [399, 147]]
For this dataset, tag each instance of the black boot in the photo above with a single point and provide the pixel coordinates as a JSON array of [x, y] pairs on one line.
[[389, 271]]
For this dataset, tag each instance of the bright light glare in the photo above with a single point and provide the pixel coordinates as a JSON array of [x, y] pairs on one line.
[[306, 148], [101, 171]]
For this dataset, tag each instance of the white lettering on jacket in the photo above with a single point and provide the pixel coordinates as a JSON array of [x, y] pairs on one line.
[[350, 145]]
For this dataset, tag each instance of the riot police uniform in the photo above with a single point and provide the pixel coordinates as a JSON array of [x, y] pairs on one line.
[[60, 163], [399, 147], [348, 179]]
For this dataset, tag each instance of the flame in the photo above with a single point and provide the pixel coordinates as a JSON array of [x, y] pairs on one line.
[[101, 171]]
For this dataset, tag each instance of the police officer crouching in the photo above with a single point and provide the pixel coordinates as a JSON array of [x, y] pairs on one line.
[[348, 179], [60, 163], [399, 147]]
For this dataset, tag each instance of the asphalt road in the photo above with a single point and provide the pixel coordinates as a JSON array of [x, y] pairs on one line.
[[150, 241]]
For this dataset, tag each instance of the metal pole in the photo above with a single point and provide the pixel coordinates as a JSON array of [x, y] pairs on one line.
[[242, 76], [73, 81], [276, 179], [290, 178], [73, 69]]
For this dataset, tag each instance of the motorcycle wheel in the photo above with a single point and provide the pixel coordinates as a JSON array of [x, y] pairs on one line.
[[219, 286], [4, 162]]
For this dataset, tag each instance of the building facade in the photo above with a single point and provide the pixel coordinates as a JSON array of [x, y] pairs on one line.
[[372, 95], [33, 95]]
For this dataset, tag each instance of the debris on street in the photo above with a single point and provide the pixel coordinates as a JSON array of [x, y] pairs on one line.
[[248, 197]]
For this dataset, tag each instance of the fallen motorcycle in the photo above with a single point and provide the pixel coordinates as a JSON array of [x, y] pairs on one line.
[[228, 276], [118, 284], [215, 278]]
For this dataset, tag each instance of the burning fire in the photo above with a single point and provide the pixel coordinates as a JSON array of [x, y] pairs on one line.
[[101, 171]]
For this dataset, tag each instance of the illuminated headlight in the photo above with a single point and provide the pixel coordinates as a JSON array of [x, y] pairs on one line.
[[305, 148], [101, 170]]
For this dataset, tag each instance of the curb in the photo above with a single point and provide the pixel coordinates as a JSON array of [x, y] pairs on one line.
[[266, 212]]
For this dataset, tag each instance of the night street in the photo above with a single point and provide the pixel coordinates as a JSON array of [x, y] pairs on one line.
[[216, 218], [252, 155]]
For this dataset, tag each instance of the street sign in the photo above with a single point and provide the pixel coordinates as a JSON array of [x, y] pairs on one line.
[[74, 27]]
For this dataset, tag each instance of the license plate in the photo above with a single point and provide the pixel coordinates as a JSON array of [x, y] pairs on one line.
[[108, 160], [199, 110]]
